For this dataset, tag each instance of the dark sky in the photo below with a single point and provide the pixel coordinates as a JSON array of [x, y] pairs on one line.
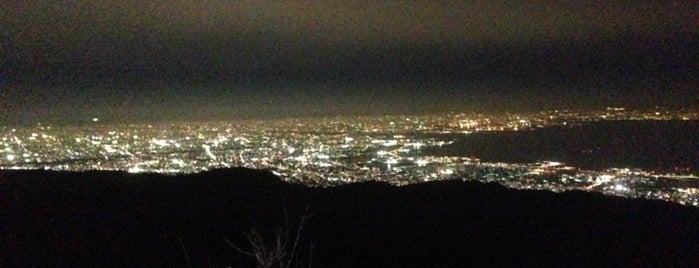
[[171, 60]]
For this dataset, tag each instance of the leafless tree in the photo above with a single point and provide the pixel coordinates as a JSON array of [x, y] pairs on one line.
[[281, 250]]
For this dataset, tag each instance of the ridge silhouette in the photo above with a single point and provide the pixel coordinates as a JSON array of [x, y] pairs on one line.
[[107, 218]]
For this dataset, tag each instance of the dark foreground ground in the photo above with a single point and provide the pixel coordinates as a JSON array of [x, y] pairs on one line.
[[117, 219]]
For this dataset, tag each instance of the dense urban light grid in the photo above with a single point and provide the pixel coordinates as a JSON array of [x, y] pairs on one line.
[[337, 150]]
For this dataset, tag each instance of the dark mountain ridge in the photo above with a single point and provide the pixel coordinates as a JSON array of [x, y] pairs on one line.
[[98, 218]]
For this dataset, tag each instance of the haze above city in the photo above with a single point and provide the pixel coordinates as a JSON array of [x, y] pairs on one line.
[[123, 61]]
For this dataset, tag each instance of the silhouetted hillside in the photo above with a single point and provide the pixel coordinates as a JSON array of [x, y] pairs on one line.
[[119, 219]]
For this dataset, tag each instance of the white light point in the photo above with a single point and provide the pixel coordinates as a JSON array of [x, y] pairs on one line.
[[207, 150], [552, 164], [390, 143], [417, 145], [160, 142], [447, 171], [620, 188], [178, 162], [135, 169]]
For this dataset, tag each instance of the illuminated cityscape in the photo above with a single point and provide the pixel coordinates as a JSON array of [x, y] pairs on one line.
[[349, 134], [338, 150]]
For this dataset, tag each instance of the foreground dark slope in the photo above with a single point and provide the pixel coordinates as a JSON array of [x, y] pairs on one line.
[[119, 219]]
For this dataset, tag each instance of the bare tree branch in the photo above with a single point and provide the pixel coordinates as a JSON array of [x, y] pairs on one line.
[[186, 255], [279, 250]]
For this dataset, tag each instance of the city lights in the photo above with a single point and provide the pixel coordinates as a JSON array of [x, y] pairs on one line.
[[332, 151]]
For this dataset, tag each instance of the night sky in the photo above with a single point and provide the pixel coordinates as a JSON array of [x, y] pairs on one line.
[[69, 61]]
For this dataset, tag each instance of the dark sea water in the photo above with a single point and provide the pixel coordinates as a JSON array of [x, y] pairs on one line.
[[652, 145]]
